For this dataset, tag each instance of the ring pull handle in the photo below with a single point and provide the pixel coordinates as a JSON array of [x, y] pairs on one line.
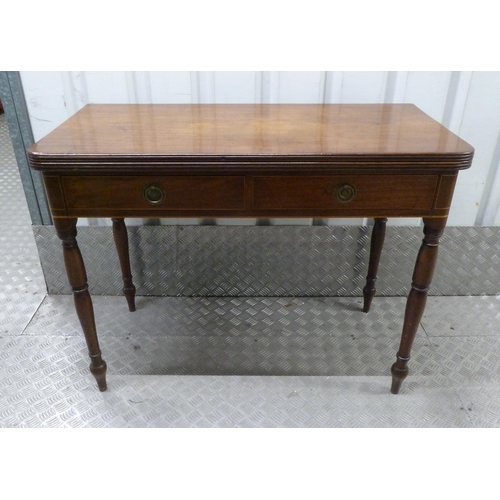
[[154, 194], [345, 192]]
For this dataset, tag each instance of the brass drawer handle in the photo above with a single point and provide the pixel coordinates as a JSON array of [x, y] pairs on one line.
[[154, 194], [345, 192]]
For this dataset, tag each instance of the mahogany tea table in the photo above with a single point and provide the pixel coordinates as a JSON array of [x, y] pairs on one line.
[[250, 160]]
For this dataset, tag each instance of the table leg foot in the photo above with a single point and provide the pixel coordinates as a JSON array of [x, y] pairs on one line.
[[415, 305], [399, 372], [121, 241], [98, 369], [377, 242]]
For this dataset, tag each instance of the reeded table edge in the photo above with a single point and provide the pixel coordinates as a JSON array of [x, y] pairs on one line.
[[72, 163]]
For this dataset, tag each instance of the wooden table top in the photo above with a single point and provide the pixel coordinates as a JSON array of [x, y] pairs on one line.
[[222, 132]]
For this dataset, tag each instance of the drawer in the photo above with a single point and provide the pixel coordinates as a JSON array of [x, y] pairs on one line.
[[154, 192], [349, 192]]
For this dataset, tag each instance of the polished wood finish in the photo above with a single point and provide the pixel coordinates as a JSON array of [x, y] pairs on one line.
[[255, 160], [376, 244], [77, 276], [422, 277], [121, 242], [174, 132], [180, 193], [384, 192], [300, 195]]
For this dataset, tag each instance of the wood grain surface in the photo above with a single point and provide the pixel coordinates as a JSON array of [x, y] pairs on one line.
[[208, 131]]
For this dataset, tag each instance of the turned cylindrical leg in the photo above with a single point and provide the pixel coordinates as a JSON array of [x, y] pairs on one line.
[[77, 276], [376, 244], [121, 241], [422, 277]]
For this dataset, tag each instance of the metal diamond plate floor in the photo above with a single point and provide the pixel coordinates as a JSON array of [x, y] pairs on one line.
[[236, 361]]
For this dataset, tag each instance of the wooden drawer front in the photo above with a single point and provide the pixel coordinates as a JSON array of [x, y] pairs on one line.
[[177, 192], [358, 192]]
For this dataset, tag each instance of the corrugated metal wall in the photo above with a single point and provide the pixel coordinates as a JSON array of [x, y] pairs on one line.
[[466, 102]]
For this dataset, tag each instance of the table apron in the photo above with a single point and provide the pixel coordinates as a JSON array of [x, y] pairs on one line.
[[343, 195]]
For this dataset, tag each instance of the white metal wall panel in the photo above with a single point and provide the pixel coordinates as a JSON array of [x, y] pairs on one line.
[[301, 87], [456, 100], [359, 86], [112, 87], [430, 89], [467, 102], [480, 127], [170, 87], [45, 95], [236, 87], [75, 90]]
